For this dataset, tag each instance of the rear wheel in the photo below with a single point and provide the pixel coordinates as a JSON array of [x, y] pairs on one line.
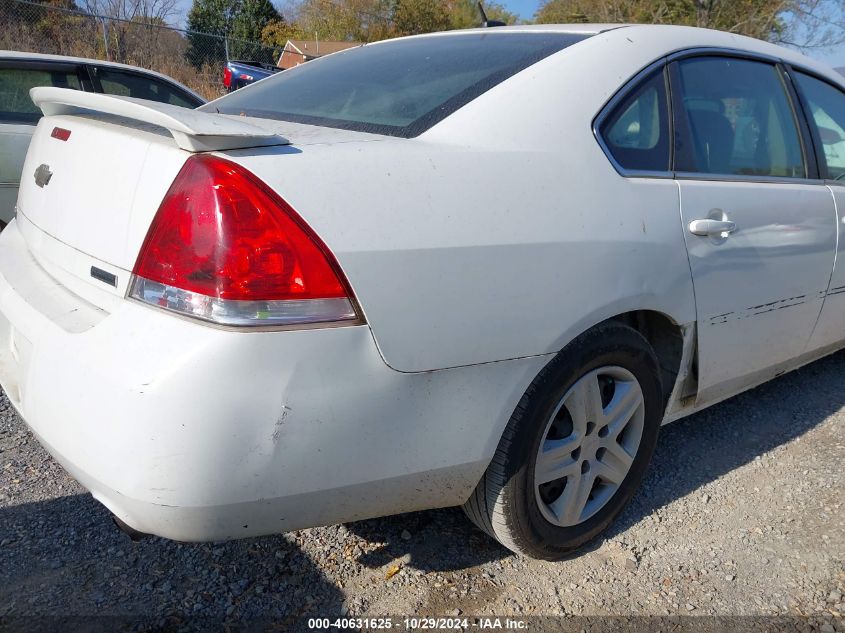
[[575, 448]]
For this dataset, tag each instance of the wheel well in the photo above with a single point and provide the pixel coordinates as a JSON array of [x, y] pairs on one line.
[[666, 339]]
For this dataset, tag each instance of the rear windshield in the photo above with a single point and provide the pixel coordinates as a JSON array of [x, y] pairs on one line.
[[400, 87]]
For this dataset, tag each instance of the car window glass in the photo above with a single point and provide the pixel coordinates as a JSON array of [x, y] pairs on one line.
[[827, 108], [116, 82], [15, 103], [400, 87], [738, 118], [637, 131]]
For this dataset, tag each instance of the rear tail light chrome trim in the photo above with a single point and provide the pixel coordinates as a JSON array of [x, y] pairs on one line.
[[228, 312]]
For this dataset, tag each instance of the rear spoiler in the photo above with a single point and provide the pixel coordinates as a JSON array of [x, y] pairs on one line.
[[192, 130]]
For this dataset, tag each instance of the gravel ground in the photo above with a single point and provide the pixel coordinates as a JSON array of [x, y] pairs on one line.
[[741, 514]]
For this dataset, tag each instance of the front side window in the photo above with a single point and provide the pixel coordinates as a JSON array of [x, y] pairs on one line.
[[827, 108], [637, 131], [15, 104], [735, 119], [127, 84], [397, 87]]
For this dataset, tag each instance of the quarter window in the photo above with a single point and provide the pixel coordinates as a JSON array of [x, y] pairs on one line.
[[637, 131], [735, 119], [827, 107]]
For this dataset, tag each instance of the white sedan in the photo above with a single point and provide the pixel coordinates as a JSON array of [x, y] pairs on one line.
[[478, 267]]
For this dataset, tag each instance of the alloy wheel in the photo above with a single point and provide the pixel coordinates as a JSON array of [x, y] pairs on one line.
[[589, 445]]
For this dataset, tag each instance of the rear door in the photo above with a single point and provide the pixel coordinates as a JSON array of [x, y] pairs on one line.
[[18, 116], [824, 103], [760, 230]]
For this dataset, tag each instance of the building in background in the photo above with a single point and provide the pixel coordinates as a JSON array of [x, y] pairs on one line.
[[296, 52]]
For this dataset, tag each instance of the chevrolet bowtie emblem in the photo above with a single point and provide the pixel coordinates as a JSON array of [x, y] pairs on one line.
[[43, 175]]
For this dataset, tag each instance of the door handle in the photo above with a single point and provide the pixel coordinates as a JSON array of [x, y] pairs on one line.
[[712, 228]]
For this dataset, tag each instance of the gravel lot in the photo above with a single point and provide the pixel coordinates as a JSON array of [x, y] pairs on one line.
[[742, 514]]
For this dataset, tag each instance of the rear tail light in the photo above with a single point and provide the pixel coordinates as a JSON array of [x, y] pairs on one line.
[[225, 248], [227, 76]]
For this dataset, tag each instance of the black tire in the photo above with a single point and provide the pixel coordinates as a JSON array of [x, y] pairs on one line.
[[504, 503]]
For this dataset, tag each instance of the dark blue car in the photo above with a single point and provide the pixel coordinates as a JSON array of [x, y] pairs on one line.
[[237, 73]]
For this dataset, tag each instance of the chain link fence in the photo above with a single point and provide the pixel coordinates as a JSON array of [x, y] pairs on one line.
[[191, 58]]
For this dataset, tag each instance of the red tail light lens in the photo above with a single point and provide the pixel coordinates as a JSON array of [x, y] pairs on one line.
[[226, 248], [227, 76]]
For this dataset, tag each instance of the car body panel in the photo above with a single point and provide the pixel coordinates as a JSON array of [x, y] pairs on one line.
[[759, 290], [447, 319], [100, 223], [170, 429], [14, 140], [831, 322], [477, 251]]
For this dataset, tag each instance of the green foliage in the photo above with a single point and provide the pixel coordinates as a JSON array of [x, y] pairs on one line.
[[344, 20], [238, 19], [371, 20], [278, 32], [464, 14], [252, 16], [763, 19], [411, 17]]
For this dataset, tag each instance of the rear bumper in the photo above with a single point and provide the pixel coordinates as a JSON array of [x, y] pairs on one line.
[[196, 433]]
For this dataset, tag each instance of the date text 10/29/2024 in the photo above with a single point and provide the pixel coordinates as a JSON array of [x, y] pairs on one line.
[[417, 624]]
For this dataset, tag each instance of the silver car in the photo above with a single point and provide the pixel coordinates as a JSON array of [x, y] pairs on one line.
[[18, 115]]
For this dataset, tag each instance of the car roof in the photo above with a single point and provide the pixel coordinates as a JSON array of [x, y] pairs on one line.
[[42, 57], [705, 38], [585, 29]]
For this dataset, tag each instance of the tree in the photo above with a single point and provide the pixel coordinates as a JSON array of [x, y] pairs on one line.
[[277, 32], [248, 23], [812, 24], [48, 26], [344, 20], [126, 19], [241, 20], [251, 17], [209, 21], [801, 23], [464, 14], [411, 17], [372, 20]]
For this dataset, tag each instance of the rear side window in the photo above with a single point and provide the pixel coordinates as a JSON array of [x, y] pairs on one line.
[[637, 131], [736, 120], [15, 104], [827, 109], [117, 82], [400, 87]]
